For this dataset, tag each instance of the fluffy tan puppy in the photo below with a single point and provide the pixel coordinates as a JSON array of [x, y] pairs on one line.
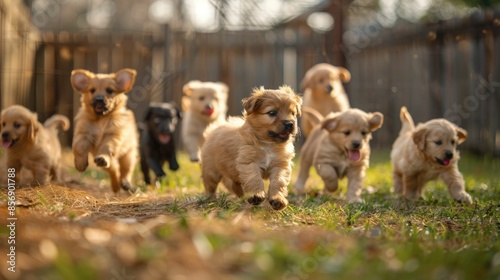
[[338, 147], [204, 103], [323, 91], [31, 145], [245, 151], [104, 126], [424, 153]]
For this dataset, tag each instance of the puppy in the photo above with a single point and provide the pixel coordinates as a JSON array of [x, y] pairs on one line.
[[245, 151], [323, 91], [104, 126], [157, 143], [337, 147], [31, 145], [424, 153], [204, 103]]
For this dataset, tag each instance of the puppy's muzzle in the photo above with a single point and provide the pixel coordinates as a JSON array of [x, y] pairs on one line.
[[208, 110], [99, 104], [7, 142], [448, 155], [354, 152], [287, 130]]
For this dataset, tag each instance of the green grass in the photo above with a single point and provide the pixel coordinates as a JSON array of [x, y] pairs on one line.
[[318, 236]]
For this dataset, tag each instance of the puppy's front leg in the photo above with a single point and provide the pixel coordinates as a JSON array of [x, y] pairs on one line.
[[107, 150], [172, 162], [355, 177], [329, 175], [251, 176], [412, 187], [81, 149], [279, 179], [456, 185]]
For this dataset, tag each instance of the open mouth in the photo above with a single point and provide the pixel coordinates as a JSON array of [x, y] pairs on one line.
[[282, 136], [100, 109], [164, 138], [443, 162], [8, 143], [208, 111], [354, 155]]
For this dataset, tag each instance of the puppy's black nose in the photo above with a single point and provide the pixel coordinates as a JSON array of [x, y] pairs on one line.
[[448, 154], [99, 98], [356, 144], [329, 88], [288, 125], [5, 135]]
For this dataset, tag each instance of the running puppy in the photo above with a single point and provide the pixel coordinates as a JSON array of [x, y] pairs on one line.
[[424, 153], [104, 126], [157, 143], [204, 103], [31, 145], [323, 91], [258, 146], [339, 147]]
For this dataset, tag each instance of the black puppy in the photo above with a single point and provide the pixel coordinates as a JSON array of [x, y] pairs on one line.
[[157, 140]]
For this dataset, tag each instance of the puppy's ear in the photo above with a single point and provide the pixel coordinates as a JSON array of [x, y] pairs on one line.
[[330, 124], [80, 79], [296, 98], [178, 110], [305, 83], [148, 114], [32, 127], [224, 88], [125, 79], [462, 134], [344, 74], [252, 103], [188, 88], [419, 137], [376, 120]]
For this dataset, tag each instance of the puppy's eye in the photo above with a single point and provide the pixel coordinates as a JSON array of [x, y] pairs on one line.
[[156, 120], [272, 113], [109, 91], [321, 80], [201, 98], [17, 125], [3, 124], [364, 133], [438, 142], [92, 90], [347, 132], [453, 142]]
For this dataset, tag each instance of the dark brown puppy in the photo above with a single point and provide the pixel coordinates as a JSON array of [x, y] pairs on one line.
[[157, 144]]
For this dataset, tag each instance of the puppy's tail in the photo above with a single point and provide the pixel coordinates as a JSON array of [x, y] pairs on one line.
[[407, 123], [311, 115], [57, 121]]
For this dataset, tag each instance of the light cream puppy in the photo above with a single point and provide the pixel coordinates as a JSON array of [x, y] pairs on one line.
[[243, 152], [324, 92], [31, 145], [427, 152], [104, 126], [204, 103], [339, 147]]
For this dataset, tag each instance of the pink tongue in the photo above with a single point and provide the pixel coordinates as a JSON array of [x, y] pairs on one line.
[[446, 162], [164, 138], [6, 144], [354, 155], [208, 112]]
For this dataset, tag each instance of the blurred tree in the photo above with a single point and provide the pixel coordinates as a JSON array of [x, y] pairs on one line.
[[479, 3]]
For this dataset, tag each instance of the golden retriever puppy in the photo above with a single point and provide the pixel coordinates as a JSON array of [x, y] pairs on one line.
[[104, 126], [204, 103], [338, 147], [259, 146], [31, 145], [323, 91], [424, 153]]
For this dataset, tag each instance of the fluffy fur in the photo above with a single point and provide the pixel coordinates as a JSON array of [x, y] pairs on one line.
[[104, 126], [157, 143], [323, 91], [204, 103], [245, 151], [337, 147], [31, 145], [426, 152]]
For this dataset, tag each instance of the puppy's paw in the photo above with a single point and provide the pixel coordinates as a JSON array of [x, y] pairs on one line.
[[463, 197], [128, 187], [102, 161], [256, 199], [278, 203], [81, 163], [355, 199], [194, 159]]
